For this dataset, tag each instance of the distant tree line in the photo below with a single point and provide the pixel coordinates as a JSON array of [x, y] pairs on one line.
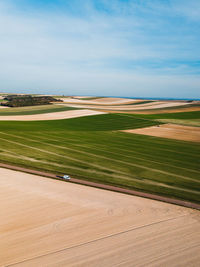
[[27, 100]]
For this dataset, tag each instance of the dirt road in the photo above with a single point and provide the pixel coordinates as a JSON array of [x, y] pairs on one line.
[[107, 187]]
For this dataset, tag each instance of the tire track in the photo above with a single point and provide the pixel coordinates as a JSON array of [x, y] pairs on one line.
[[98, 149], [96, 240], [143, 181], [115, 160]]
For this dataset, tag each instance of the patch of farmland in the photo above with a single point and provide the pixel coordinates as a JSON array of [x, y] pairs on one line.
[[127, 106], [89, 148], [2, 107], [170, 131], [46, 222], [101, 122], [100, 101], [183, 118], [87, 97], [32, 110], [176, 109], [195, 122], [52, 115], [177, 115]]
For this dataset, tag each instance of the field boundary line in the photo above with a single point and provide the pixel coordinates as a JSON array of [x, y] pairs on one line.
[[97, 239]]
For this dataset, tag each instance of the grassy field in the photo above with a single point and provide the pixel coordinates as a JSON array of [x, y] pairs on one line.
[[30, 110], [179, 115], [191, 118], [91, 148]]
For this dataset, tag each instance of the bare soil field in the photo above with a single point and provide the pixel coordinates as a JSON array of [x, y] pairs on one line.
[[145, 106], [46, 222], [172, 110], [153, 111], [173, 131], [52, 116], [101, 101], [3, 107]]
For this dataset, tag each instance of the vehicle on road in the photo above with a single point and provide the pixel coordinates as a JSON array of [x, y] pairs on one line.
[[65, 177]]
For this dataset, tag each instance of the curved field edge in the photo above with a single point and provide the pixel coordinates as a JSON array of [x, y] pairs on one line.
[[191, 118], [177, 115], [33, 110], [104, 122], [84, 150]]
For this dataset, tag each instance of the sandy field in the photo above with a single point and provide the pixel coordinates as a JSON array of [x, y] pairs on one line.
[[153, 111], [52, 116], [147, 106], [172, 131], [101, 101], [172, 110], [45, 222], [3, 107]]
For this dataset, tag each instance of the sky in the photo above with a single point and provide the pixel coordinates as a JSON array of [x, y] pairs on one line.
[[130, 48]]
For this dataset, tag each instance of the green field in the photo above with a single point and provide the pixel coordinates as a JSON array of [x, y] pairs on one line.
[[31, 110], [91, 148], [178, 115], [191, 118]]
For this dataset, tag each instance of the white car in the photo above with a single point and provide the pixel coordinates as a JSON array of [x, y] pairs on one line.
[[66, 177]]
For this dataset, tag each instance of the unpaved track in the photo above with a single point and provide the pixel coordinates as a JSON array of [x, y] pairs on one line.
[[46, 222], [172, 131], [107, 187]]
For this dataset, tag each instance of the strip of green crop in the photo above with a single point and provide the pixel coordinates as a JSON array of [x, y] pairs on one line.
[[178, 115], [105, 122], [50, 109]]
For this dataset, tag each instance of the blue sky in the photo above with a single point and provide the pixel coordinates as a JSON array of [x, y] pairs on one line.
[[132, 48]]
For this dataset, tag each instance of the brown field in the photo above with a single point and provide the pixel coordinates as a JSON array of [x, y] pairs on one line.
[[46, 222], [3, 107], [52, 116], [173, 131], [174, 109], [147, 106], [102, 101]]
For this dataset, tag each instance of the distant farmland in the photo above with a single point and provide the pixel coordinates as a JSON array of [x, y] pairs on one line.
[[32, 110], [92, 148]]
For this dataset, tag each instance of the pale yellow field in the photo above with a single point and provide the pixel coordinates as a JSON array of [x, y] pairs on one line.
[[102, 101], [3, 106], [125, 107], [52, 116], [46, 222], [173, 131]]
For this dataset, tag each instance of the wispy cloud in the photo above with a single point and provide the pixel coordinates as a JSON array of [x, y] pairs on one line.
[[101, 47]]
